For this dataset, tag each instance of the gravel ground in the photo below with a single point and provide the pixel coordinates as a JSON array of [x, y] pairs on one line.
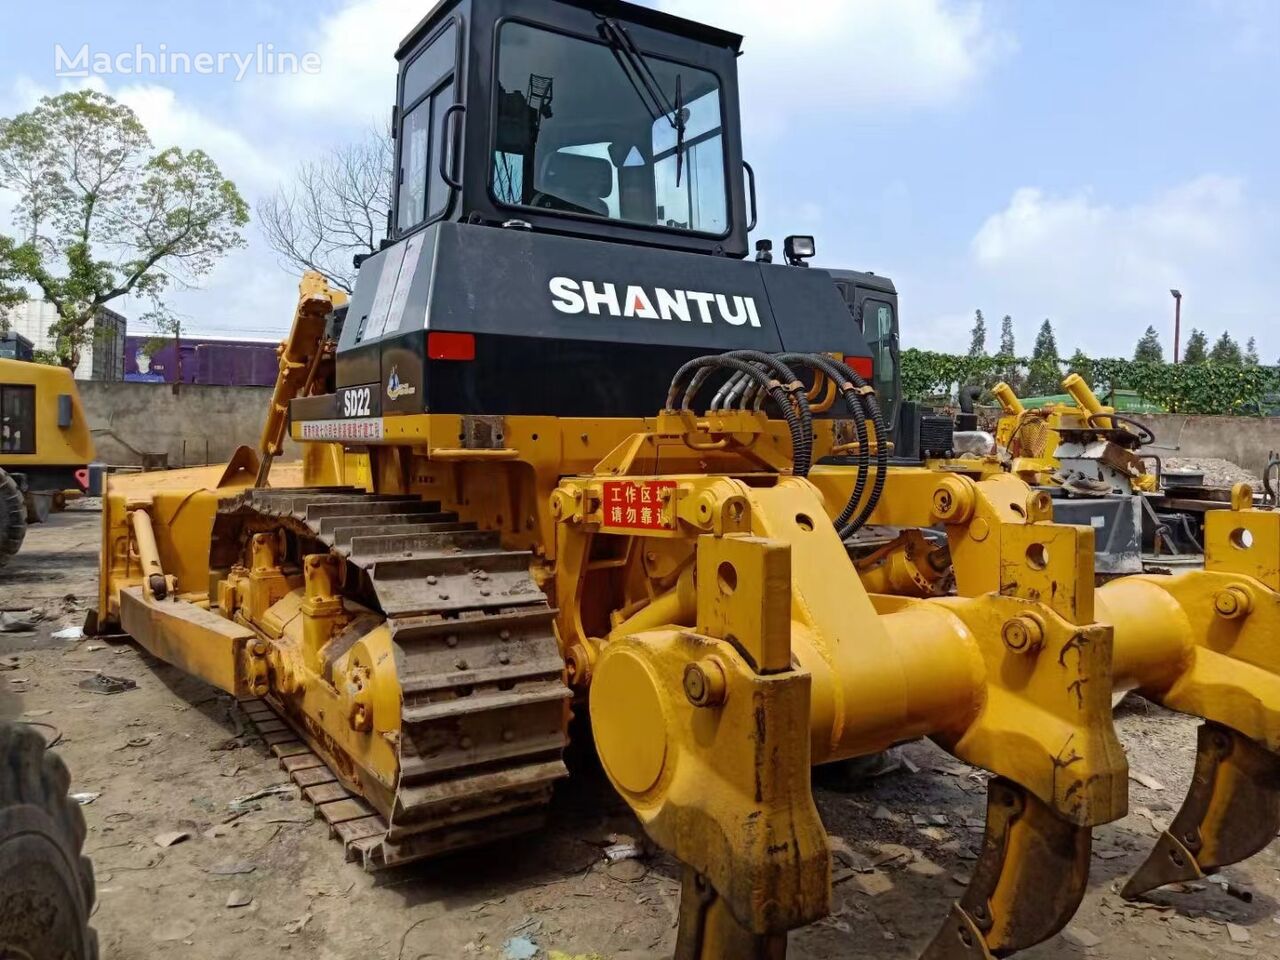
[[1217, 472]]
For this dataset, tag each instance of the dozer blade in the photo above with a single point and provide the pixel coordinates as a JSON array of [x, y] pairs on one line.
[[1029, 880], [1231, 812]]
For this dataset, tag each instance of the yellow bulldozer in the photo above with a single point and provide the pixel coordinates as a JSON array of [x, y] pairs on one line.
[[45, 447], [568, 449]]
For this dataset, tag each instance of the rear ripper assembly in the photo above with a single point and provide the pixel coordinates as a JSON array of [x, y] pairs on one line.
[[489, 528]]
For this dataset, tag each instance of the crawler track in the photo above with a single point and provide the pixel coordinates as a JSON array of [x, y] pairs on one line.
[[484, 707]]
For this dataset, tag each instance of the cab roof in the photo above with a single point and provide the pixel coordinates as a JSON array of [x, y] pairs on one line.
[[630, 12]]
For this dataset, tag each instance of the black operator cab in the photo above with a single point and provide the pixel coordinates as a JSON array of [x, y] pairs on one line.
[[570, 224], [608, 120]]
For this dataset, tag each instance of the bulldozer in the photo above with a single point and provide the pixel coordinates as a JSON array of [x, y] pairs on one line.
[[569, 450], [45, 447]]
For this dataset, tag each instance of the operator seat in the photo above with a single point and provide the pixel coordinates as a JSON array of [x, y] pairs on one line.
[[579, 180]]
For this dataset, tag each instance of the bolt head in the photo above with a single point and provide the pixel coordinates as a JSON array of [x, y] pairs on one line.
[[1022, 634], [704, 682], [1232, 602]]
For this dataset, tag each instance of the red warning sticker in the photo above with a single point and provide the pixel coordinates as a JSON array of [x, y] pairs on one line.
[[639, 504]]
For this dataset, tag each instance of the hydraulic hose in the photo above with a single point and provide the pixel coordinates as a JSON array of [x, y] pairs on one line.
[[853, 404], [860, 400], [795, 411]]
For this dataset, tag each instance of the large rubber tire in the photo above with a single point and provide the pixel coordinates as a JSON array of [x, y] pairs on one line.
[[13, 517], [46, 885]]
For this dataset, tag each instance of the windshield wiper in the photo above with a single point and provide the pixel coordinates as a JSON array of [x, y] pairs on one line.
[[646, 85]]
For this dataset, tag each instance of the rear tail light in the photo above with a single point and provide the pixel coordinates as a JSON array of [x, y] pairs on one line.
[[450, 346], [861, 366]]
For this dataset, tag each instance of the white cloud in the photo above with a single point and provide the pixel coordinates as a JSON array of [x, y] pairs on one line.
[[171, 122], [356, 83], [1103, 271], [841, 56]]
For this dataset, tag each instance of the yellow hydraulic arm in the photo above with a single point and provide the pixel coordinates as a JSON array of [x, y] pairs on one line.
[[303, 355]]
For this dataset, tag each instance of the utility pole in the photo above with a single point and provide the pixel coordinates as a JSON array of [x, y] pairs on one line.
[[1177, 323], [177, 350]]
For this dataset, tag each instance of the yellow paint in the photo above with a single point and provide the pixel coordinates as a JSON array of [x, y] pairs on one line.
[[55, 446]]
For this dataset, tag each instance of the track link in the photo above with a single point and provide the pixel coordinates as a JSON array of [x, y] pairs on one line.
[[484, 706]]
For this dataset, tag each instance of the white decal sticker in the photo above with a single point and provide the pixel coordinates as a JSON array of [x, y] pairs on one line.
[[355, 431]]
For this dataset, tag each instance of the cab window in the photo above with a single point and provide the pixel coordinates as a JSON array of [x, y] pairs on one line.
[[428, 91], [18, 419], [585, 131], [878, 331]]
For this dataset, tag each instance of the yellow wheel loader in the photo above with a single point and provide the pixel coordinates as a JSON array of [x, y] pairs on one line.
[[567, 448], [45, 446]]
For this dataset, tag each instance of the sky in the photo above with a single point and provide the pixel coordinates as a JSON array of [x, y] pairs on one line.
[[1062, 160]]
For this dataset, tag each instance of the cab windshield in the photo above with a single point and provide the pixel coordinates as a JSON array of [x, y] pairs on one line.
[[576, 133]]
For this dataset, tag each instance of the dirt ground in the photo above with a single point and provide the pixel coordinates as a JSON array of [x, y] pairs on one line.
[[172, 756]]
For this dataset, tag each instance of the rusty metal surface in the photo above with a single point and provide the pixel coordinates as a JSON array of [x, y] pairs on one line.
[[484, 433], [1231, 812]]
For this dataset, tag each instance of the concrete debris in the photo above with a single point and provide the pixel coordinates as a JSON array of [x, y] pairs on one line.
[[297, 926], [1081, 936], [519, 948], [239, 898], [171, 837], [1237, 933], [873, 883], [173, 930], [18, 623], [84, 799], [841, 851], [922, 866], [1150, 782], [70, 633]]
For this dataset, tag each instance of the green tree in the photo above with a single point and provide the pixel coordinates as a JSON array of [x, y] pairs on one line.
[[1149, 349], [1080, 364], [1226, 350], [1197, 349], [1009, 372], [978, 337], [1251, 357], [1007, 348], [101, 214], [1045, 376], [12, 292]]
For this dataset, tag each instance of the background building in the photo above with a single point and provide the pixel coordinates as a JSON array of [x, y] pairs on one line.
[[14, 346], [102, 356]]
